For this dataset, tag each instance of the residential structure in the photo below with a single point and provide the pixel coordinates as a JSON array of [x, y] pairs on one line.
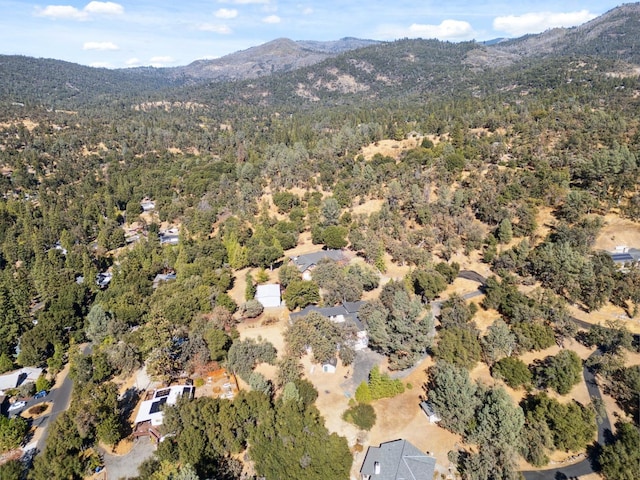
[[150, 414], [624, 255], [268, 295], [148, 205], [16, 378], [163, 277], [397, 460], [346, 314], [330, 365], [103, 279], [307, 262], [171, 236]]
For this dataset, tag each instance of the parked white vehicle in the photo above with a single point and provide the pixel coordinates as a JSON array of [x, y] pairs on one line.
[[17, 405]]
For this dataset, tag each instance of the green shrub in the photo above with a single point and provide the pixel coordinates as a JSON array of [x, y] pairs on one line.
[[381, 385], [42, 383], [362, 415], [363, 394], [534, 336], [513, 371]]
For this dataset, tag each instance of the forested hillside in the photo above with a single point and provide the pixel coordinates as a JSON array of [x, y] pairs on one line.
[[505, 158]]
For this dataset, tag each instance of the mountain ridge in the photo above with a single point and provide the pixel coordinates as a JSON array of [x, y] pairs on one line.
[[285, 71], [280, 54]]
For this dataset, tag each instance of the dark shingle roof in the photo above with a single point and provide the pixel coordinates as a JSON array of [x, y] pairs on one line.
[[398, 460], [349, 310], [303, 262]]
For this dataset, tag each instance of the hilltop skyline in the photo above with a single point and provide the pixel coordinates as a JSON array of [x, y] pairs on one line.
[[162, 34]]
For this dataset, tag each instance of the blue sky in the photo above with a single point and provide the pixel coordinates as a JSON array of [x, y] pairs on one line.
[[123, 33]]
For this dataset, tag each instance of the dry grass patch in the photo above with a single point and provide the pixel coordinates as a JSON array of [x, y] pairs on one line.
[[617, 231], [607, 313], [390, 148], [273, 332]]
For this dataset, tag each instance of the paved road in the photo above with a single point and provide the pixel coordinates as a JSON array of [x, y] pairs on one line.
[[60, 398], [473, 276]]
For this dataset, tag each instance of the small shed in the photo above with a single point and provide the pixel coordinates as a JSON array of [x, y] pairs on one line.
[[330, 365], [268, 295], [429, 411]]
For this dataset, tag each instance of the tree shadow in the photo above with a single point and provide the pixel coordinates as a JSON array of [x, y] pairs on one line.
[[126, 404], [594, 451]]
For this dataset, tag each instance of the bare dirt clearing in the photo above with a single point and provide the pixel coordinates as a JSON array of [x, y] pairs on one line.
[[273, 332], [618, 232], [390, 148]]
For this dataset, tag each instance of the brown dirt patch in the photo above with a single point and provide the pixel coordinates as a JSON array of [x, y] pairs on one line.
[[616, 232], [367, 207], [545, 221], [123, 447], [398, 417], [273, 332], [390, 148]]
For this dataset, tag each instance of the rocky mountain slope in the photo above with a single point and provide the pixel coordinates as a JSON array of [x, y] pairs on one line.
[[613, 35], [280, 55]]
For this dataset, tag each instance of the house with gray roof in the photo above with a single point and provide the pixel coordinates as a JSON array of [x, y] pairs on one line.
[[307, 262], [397, 460], [346, 314], [163, 277]]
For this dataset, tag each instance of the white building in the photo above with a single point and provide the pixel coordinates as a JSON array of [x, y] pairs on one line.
[[18, 377], [268, 295], [151, 410]]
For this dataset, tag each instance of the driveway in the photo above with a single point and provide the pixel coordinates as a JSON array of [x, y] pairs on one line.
[[363, 363], [126, 466]]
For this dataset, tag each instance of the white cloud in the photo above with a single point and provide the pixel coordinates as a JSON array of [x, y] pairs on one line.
[[62, 12], [447, 30], [100, 46], [271, 19], [100, 65], [132, 62], [454, 30], [226, 13], [307, 11], [536, 22], [104, 8], [160, 61], [73, 13], [211, 27]]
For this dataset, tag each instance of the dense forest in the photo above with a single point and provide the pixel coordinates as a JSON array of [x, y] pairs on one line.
[[243, 169]]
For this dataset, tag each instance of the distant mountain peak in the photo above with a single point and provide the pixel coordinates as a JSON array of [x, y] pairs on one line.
[[280, 54]]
